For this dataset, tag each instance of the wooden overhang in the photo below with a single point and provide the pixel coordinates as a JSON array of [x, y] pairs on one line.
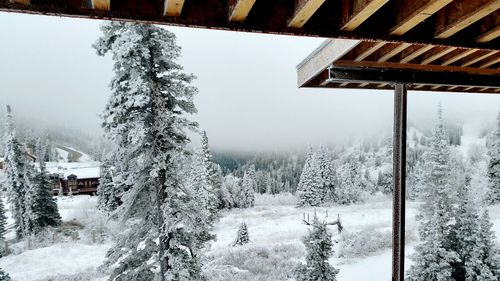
[[454, 23], [340, 63]]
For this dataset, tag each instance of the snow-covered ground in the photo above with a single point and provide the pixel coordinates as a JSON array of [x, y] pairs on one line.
[[274, 223], [270, 226], [62, 259]]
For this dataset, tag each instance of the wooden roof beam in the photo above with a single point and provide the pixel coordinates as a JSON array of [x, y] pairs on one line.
[[357, 73], [304, 10], [239, 9], [479, 58], [413, 12], [414, 52], [490, 63], [370, 49], [398, 49], [490, 28], [355, 12], [461, 14], [173, 8], [440, 52], [456, 56]]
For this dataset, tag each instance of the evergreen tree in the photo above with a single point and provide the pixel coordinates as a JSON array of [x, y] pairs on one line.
[[3, 221], [319, 248], [437, 194], [350, 184], [310, 189], [494, 164], [43, 204], [487, 252], [433, 259], [242, 236], [15, 165], [214, 173], [4, 276], [108, 199], [465, 237], [146, 117], [201, 184], [247, 193]]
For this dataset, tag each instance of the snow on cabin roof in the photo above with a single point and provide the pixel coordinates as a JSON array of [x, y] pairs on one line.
[[82, 170]]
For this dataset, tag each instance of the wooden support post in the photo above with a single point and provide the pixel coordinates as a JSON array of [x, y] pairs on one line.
[[399, 183]]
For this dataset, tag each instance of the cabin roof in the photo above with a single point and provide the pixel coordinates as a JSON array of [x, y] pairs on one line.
[[82, 170]]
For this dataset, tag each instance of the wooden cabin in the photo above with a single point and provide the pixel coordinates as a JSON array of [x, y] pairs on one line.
[[75, 178]]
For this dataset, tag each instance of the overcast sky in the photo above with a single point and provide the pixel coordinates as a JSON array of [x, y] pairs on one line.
[[248, 95]]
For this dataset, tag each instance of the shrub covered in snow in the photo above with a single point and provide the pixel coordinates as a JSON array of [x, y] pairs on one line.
[[253, 263], [280, 199], [363, 243]]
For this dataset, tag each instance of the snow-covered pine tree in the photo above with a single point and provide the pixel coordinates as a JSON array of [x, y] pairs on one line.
[[327, 174], [242, 236], [146, 117], [437, 194], [433, 259], [349, 185], [214, 172], [319, 248], [494, 164], [15, 165], [465, 237], [435, 256], [199, 181], [3, 228], [4, 276], [310, 189], [246, 198], [3, 221], [43, 204], [108, 199], [487, 252], [384, 181]]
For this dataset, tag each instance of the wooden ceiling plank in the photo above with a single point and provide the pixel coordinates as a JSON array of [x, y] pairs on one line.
[[413, 12], [412, 55], [239, 9], [461, 14], [459, 56], [103, 5], [489, 36], [490, 63], [304, 10], [479, 58], [438, 54], [366, 53], [173, 8], [355, 12], [394, 52]]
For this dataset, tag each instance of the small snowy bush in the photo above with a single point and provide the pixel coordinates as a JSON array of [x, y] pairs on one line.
[[363, 243], [280, 199], [253, 263]]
